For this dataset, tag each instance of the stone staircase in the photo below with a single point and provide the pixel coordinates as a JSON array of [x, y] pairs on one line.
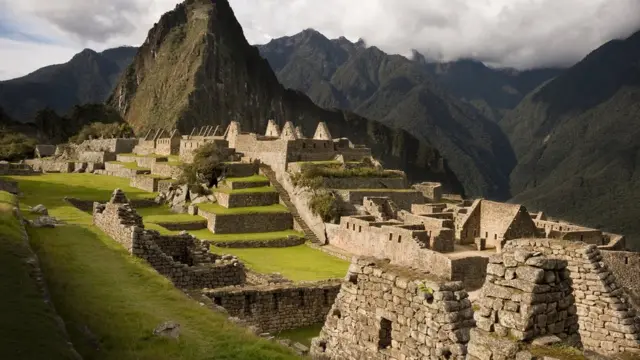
[[286, 200]]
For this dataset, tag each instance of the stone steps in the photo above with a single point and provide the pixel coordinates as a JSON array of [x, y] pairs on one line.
[[284, 197]]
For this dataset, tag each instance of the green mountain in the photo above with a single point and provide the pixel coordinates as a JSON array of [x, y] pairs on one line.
[[577, 139], [400, 92], [89, 77], [196, 68], [492, 91]]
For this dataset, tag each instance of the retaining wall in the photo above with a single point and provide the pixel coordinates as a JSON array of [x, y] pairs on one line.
[[246, 199], [247, 223]]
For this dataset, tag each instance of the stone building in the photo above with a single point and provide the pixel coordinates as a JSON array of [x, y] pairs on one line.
[[494, 222], [45, 150], [388, 312]]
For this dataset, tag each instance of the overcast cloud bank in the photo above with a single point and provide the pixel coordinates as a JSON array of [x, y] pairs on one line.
[[503, 33]]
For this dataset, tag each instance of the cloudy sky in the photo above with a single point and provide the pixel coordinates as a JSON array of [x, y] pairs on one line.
[[514, 33]]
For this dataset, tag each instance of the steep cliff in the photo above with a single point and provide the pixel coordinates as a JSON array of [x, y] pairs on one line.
[[197, 68]]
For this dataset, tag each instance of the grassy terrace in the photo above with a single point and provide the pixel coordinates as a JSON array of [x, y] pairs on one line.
[[29, 329], [298, 263], [221, 210], [264, 189], [128, 165], [175, 158], [162, 214], [302, 335], [111, 301], [254, 178]]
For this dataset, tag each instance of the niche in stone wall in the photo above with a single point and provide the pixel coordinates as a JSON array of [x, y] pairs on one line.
[[217, 300], [276, 301], [325, 298], [353, 278], [384, 334], [247, 305], [301, 295]]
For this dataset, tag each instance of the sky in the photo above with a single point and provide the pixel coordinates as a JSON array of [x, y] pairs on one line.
[[502, 33]]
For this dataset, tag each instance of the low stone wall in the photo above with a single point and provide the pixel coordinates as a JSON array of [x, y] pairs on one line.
[[273, 243], [274, 308], [114, 169], [238, 169], [387, 312], [185, 260], [608, 322], [239, 185], [99, 157], [112, 145], [403, 199], [246, 199], [149, 161], [18, 169], [146, 183], [126, 158], [87, 205], [247, 223], [364, 183], [164, 169], [48, 165]]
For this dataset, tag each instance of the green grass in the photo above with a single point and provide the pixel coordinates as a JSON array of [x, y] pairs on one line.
[[254, 178], [297, 263], [384, 190], [263, 189], [162, 214], [112, 301], [221, 210], [205, 234], [29, 329], [128, 165], [559, 351], [302, 335]]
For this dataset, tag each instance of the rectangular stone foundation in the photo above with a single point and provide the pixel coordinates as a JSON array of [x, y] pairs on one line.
[[247, 223]]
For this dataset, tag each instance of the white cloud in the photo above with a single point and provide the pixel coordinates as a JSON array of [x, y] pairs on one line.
[[20, 58], [518, 33]]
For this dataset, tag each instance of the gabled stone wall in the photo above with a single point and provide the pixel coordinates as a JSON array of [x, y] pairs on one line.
[[273, 308], [608, 322], [185, 260], [387, 312]]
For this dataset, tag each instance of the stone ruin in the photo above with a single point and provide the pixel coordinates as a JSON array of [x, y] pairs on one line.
[[185, 260], [388, 312]]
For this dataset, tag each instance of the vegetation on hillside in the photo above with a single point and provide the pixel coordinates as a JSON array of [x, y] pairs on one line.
[[58, 129], [98, 130], [312, 175], [14, 145]]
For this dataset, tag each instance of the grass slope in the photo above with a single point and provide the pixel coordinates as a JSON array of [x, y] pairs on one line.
[[298, 263], [29, 329], [221, 210], [111, 301]]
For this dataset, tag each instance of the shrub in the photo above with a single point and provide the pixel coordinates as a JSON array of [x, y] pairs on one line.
[[15, 146], [98, 129], [325, 205], [206, 163]]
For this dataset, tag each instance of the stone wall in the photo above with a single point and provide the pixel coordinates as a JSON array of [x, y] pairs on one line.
[[145, 182], [17, 169], [99, 157], [386, 312], [273, 308], [430, 190], [625, 265], [288, 241], [185, 260], [608, 322], [9, 186], [364, 183], [403, 199], [48, 165], [164, 169], [117, 146], [115, 169], [42, 151], [247, 223], [406, 247], [246, 199]]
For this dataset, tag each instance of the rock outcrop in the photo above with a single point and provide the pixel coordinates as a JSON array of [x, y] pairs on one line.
[[196, 68]]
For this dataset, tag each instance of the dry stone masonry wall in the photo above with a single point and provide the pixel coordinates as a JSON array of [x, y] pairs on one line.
[[273, 308], [388, 312], [608, 322], [185, 260]]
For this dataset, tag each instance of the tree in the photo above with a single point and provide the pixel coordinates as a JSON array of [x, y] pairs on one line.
[[207, 163]]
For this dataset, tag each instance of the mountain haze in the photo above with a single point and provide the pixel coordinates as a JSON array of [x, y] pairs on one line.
[[577, 139], [400, 92], [196, 68], [89, 77]]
